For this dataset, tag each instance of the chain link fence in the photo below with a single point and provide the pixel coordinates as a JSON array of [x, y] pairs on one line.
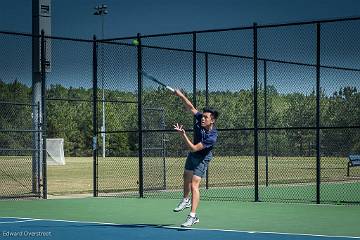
[[288, 97], [20, 176]]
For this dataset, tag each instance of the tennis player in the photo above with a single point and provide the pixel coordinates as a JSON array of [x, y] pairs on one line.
[[198, 158]]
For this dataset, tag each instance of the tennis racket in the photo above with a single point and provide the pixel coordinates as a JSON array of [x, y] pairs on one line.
[[148, 76]]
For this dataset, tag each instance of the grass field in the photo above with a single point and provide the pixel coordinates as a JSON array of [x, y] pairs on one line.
[[289, 178]]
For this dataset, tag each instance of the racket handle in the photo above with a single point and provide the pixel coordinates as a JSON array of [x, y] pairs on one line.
[[170, 88]]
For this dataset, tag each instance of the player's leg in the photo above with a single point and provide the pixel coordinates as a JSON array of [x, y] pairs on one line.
[[199, 172], [185, 202], [195, 185], [187, 178]]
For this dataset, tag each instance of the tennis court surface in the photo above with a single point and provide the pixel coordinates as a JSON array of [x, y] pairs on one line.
[[116, 218]]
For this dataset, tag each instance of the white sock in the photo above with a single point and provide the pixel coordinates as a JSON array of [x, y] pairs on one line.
[[192, 214], [186, 199]]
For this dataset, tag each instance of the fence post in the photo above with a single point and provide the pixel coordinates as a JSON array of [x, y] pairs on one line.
[[206, 79], [43, 112], [318, 93], [95, 125], [256, 137], [140, 118], [266, 126], [207, 104], [194, 73]]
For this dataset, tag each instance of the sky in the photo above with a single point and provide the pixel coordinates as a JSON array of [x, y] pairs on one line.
[[74, 18]]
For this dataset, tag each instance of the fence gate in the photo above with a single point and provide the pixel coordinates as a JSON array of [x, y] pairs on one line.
[[154, 149], [20, 171], [20, 120]]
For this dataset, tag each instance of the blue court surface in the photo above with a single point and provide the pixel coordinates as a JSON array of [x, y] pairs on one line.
[[27, 228]]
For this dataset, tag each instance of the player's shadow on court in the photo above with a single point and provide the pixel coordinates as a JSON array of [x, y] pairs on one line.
[[62, 225], [95, 225], [164, 226]]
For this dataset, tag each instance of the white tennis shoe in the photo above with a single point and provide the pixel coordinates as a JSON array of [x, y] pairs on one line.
[[190, 221], [182, 205]]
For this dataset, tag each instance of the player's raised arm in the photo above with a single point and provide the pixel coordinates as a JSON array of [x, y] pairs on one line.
[[186, 101]]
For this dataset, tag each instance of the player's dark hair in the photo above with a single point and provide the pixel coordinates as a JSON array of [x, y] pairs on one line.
[[214, 113]]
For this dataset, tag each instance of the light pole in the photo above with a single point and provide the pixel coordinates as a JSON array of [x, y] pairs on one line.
[[101, 10]]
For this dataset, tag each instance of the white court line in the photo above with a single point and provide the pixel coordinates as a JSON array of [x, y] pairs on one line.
[[17, 221], [182, 228], [275, 233]]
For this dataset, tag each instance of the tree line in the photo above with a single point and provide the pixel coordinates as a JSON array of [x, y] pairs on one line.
[[287, 129]]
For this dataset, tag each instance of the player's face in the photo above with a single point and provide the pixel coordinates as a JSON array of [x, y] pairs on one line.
[[206, 120]]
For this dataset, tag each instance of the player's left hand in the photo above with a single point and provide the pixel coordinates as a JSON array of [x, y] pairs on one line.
[[179, 128]]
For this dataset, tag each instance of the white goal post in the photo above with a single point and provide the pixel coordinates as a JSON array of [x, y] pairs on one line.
[[55, 151]]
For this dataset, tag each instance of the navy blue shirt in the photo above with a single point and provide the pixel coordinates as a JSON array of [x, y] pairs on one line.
[[207, 138]]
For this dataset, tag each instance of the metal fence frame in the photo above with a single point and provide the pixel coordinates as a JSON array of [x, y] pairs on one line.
[[256, 129]]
